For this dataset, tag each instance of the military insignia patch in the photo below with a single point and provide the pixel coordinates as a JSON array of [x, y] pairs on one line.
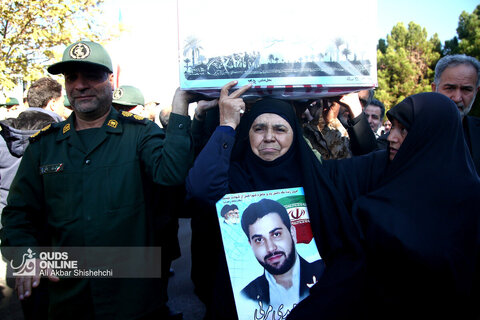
[[133, 117], [112, 123], [66, 128], [79, 51], [51, 168], [117, 94]]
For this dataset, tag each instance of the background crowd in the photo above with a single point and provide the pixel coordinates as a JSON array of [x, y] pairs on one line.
[[395, 221]]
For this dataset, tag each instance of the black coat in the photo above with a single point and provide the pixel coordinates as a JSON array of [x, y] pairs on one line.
[[226, 165], [472, 136], [418, 216]]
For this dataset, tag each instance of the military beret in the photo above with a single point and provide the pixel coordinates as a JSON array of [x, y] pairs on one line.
[[128, 96], [85, 52], [11, 102]]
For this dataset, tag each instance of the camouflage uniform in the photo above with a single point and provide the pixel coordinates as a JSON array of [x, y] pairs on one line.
[[331, 141]]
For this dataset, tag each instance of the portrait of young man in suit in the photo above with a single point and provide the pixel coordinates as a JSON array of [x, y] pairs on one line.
[[287, 276]]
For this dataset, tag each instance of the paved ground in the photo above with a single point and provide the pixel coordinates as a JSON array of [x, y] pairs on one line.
[[181, 293]]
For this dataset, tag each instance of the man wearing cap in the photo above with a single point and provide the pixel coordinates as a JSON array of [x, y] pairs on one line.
[[12, 108], [12, 103], [129, 98], [87, 179]]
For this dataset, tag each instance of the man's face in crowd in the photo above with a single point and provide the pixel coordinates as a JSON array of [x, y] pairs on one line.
[[459, 83], [151, 111], [13, 107], [373, 115], [388, 125], [270, 136], [272, 244], [89, 89]]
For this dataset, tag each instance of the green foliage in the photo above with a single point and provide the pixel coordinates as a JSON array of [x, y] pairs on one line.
[[437, 44], [382, 46], [467, 42], [405, 65], [31, 30], [406, 61], [468, 32], [451, 47]]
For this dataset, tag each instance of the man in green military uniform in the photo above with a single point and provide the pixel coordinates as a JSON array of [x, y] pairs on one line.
[[87, 179], [129, 98]]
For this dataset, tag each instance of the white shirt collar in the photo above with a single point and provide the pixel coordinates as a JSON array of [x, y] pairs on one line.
[[281, 296]]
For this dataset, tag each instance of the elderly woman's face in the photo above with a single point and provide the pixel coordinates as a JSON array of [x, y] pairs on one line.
[[270, 136], [397, 134]]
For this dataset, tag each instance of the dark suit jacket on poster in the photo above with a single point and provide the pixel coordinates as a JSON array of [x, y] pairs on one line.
[[472, 136], [258, 289]]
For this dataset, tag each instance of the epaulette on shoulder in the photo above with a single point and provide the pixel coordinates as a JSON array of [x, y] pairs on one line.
[[133, 117], [41, 132]]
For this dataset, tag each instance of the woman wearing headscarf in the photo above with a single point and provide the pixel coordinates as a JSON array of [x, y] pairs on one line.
[[419, 221], [252, 159]]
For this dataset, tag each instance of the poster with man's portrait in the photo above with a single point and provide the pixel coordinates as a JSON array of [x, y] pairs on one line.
[[271, 254]]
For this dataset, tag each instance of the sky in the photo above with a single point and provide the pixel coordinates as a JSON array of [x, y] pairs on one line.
[[148, 52], [437, 16]]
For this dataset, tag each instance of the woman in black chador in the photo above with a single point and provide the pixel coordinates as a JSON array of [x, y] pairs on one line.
[[416, 208], [267, 151]]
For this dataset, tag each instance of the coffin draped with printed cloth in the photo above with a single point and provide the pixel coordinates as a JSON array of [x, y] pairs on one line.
[[308, 49]]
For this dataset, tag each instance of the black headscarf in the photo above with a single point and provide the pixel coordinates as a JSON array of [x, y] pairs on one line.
[[403, 112], [421, 224], [299, 167], [251, 173]]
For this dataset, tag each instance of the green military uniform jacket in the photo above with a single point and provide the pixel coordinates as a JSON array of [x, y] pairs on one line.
[[96, 197]]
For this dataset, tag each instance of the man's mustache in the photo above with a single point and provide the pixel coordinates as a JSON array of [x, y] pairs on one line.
[[268, 256]]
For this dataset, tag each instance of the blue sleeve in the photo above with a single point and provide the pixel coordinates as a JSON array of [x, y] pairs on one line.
[[207, 180]]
